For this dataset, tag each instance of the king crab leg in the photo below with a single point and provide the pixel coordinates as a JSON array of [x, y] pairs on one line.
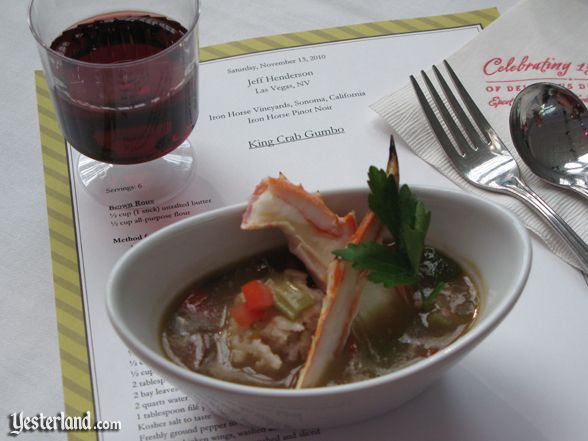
[[344, 288]]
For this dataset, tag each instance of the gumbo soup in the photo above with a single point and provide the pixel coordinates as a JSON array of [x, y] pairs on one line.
[[338, 305], [253, 323]]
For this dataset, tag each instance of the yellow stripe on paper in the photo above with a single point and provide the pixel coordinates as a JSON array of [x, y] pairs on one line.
[[75, 368], [482, 18]]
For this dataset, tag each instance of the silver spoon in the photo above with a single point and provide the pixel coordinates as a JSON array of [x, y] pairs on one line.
[[549, 128]]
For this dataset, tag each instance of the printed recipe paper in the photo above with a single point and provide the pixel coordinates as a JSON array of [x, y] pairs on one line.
[[292, 103]]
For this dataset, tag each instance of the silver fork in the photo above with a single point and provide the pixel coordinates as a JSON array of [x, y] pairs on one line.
[[485, 161]]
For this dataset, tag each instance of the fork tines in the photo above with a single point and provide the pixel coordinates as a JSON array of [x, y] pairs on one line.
[[477, 138], [485, 161]]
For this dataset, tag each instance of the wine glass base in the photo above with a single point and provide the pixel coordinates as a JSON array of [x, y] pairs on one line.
[[148, 183]]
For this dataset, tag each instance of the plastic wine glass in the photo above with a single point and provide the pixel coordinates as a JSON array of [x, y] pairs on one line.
[[123, 78]]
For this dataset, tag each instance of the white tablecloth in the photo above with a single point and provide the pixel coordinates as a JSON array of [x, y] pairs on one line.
[[513, 407]]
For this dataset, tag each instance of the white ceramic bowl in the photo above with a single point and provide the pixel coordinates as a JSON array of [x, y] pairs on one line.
[[487, 239]]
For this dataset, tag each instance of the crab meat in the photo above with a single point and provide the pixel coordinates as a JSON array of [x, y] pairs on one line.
[[312, 230]]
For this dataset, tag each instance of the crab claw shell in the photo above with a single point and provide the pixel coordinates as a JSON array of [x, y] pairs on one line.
[[312, 230], [345, 286], [338, 310]]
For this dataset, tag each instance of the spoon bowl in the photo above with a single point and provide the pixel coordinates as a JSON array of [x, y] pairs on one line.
[[549, 128]]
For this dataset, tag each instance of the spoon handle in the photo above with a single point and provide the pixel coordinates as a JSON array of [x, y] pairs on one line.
[[581, 190], [523, 192]]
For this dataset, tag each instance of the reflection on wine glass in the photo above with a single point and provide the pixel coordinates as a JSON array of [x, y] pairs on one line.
[[123, 77]]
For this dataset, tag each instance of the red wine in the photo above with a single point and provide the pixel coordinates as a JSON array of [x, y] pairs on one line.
[[118, 110]]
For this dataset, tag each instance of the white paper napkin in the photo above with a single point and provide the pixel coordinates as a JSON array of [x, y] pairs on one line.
[[536, 40]]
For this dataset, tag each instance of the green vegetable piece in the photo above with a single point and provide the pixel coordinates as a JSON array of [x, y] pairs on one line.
[[407, 219], [383, 199], [438, 321], [292, 301], [384, 264], [429, 298], [438, 267], [414, 227]]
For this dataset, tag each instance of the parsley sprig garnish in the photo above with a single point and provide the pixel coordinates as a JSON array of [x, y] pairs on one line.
[[408, 221]]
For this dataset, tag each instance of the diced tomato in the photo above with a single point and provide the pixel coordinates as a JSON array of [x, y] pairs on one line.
[[258, 296], [244, 316]]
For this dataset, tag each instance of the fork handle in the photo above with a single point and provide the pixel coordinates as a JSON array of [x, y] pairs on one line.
[[524, 193]]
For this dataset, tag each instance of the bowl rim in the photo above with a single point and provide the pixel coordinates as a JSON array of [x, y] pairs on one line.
[[171, 369]]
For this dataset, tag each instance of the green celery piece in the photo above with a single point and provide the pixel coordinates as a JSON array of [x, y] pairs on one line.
[[436, 320], [292, 302]]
